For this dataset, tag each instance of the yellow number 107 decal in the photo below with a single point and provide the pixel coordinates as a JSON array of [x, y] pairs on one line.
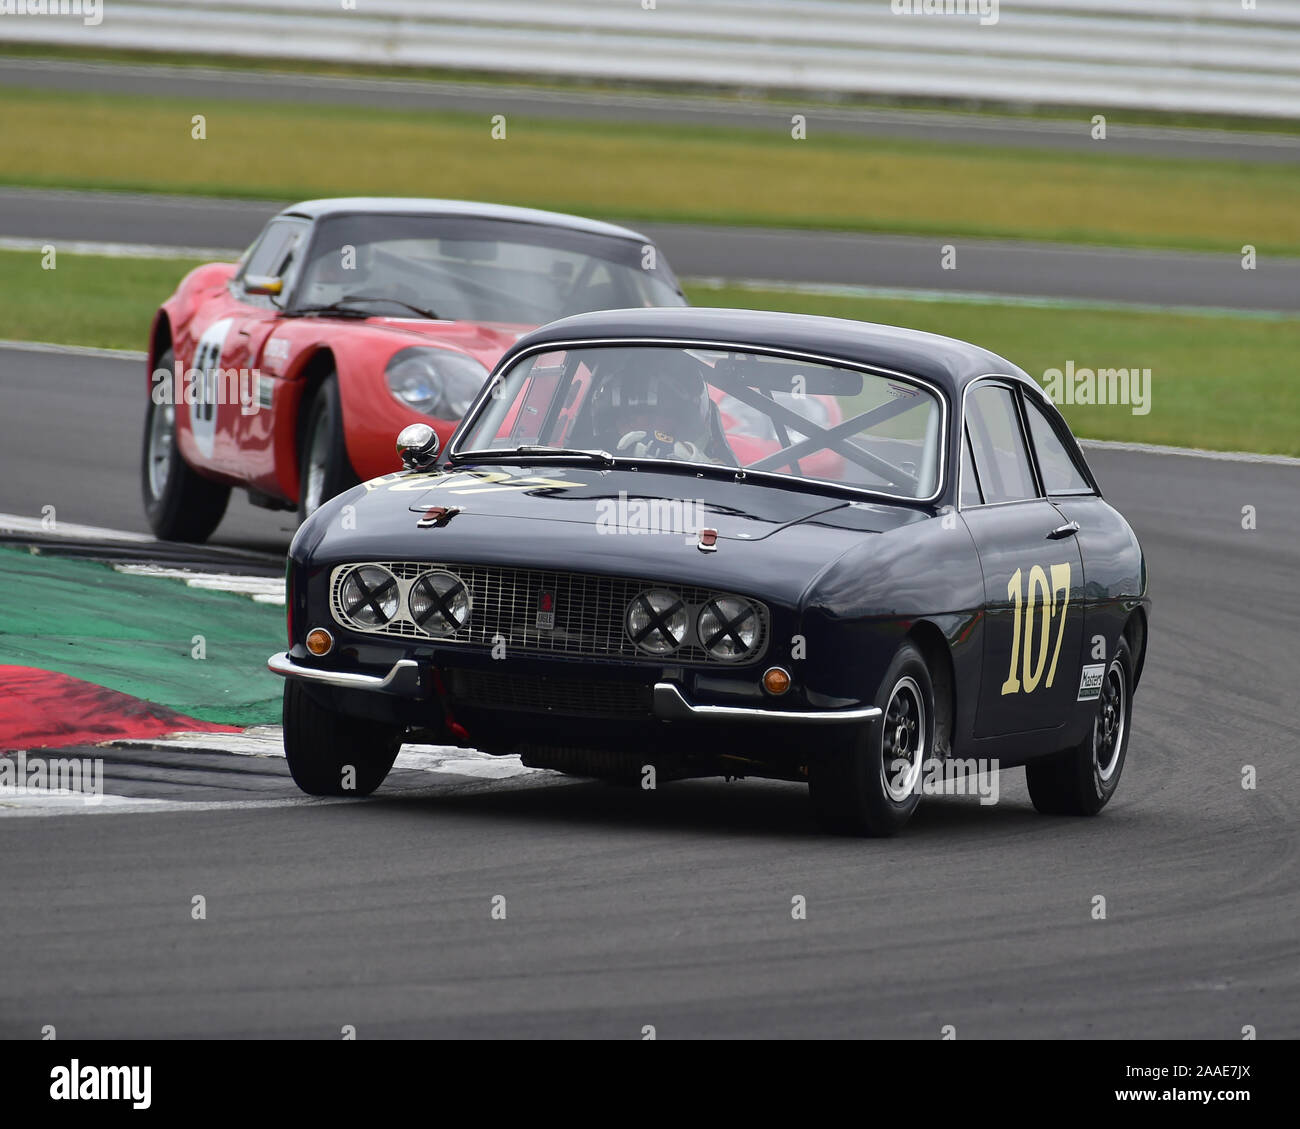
[[1041, 598]]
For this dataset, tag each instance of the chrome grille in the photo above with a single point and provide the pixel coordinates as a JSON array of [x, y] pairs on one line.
[[504, 603]]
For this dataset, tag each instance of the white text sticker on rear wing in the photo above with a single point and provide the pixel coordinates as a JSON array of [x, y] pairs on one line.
[[1090, 682]]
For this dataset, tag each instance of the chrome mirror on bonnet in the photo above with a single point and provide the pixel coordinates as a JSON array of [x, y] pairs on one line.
[[418, 446]]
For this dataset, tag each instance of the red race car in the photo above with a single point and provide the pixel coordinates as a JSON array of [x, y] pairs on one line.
[[288, 373]]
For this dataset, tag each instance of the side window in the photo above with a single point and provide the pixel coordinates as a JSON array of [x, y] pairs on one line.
[[970, 483], [998, 445], [275, 252], [1060, 474]]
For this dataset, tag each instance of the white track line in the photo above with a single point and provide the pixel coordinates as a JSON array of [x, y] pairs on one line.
[[980, 298], [120, 250], [1191, 452], [73, 350]]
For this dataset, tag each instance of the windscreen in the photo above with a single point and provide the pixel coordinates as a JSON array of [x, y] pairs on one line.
[[719, 407], [470, 269]]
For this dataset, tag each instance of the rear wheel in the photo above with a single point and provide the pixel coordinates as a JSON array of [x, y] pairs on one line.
[[323, 468], [1082, 781], [180, 504], [866, 783], [332, 754]]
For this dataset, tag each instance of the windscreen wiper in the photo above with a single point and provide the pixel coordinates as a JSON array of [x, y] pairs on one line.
[[496, 453], [341, 306]]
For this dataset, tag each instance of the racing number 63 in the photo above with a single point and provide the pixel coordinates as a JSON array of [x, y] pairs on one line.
[[1042, 594]]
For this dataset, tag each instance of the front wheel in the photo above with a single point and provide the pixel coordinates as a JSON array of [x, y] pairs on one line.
[[332, 754], [180, 504], [324, 469], [867, 783], [1082, 780]]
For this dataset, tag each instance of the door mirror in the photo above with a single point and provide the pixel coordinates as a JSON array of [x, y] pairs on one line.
[[262, 284]]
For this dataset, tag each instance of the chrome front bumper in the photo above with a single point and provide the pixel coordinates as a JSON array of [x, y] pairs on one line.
[[406, 680], [672, 705]]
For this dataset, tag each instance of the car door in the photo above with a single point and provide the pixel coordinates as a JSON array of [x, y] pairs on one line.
[[1111, 559], [1033, 571], [238, 415]]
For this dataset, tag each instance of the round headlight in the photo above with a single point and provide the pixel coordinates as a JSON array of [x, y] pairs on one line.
[[728, 628], [657, 622], [369, 596], [439, 603], [435, 382]]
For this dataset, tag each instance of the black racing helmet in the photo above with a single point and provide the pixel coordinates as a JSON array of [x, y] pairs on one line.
[[659, 389]]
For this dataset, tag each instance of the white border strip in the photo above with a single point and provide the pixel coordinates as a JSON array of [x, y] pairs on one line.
[[1191, 452], [119, 250], [981, 298], [73, 350]]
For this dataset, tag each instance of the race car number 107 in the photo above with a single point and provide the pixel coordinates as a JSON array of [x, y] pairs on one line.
[[1039, 599]]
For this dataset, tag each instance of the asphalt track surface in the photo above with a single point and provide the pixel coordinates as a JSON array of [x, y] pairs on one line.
[[200, 83], [673, 908], [1033, 270]]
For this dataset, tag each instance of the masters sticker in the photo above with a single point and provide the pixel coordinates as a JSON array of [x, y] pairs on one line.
[[1090, 682]]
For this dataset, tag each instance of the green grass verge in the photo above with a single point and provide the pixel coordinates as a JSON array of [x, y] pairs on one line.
[[649, 172], [85, 299], [1221, 382]]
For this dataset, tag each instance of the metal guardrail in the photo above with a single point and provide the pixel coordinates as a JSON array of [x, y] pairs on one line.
[[1180, 55]]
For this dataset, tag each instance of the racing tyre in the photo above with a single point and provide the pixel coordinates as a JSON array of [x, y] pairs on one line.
[[180, 504], [1082, 780], [323, 468], [865, 783], [331, 754]]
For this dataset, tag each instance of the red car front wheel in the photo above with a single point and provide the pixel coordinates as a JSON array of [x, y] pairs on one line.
[[324, 469], [180, 504]]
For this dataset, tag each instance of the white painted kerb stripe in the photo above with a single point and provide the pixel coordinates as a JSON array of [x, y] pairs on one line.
[[17, 523], [263, 589], [268, 741]]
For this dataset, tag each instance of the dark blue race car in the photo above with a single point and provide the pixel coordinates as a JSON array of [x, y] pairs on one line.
[[671, 543]]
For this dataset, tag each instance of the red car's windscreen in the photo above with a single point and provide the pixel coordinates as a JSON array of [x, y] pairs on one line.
[[486, 270]]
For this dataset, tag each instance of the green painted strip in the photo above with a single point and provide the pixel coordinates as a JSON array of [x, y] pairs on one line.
[[137, 635]]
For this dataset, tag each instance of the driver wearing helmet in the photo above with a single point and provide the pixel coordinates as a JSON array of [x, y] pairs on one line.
[[660, 410], [345, 270]]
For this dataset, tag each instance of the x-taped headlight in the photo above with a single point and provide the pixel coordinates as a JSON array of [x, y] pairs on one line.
[[439, 603], [657, 621], [729, 628], [369, 596], [435, 382]]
